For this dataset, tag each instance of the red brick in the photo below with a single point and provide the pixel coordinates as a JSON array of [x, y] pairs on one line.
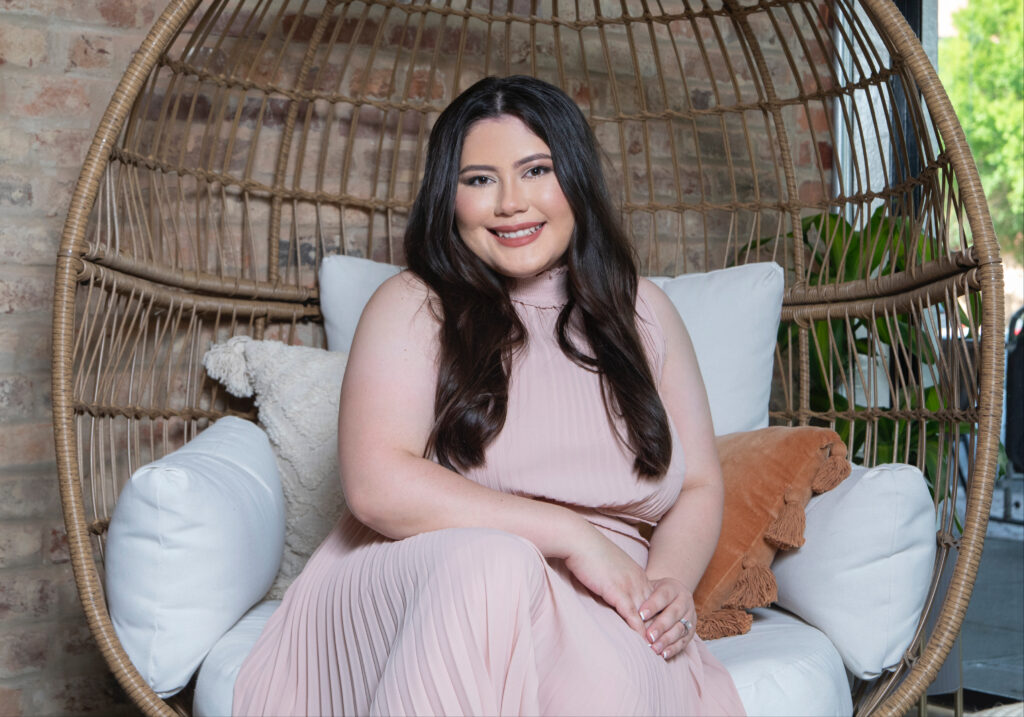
[[53, 190], [30, 495], [22, 46], [10, 702], [15, 192], [55, 545], [60, 97], [14, 143], [26, 443], [24, 343], [20, 544], [24, 397], [90, 52], [811, 193], [111, 13], [28, 242], [28, 595], [24, 650], [93, 693], [27, 289]]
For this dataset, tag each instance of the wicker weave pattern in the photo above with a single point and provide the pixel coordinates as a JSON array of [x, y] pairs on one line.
[[250, 138]]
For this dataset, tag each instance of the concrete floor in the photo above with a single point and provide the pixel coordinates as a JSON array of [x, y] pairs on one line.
[[993, 631]]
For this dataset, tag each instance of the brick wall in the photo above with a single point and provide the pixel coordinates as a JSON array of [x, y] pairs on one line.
[[59, 63]]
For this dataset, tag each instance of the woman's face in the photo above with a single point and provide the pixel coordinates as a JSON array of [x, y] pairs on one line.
[[509, 207]]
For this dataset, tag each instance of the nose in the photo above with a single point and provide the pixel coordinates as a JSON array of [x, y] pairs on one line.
[[511, 199]]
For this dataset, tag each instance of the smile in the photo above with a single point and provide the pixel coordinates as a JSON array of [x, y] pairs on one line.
[[517, 233]]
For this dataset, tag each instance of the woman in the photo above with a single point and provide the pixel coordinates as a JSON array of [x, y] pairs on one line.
[[516, 410]]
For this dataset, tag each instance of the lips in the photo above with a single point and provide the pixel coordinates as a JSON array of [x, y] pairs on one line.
[[518, 234]]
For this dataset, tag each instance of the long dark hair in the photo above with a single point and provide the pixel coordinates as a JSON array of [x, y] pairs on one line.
[[480, 331]]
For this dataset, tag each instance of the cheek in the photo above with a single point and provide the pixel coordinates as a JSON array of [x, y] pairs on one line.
[[467, 210]]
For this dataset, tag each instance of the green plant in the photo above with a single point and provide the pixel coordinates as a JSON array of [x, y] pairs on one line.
[[907, 344]]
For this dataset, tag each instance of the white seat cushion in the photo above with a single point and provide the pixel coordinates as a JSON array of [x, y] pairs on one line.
[[215, 685], [785, 667]]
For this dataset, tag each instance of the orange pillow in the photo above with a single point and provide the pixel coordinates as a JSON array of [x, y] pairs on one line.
[[769, 476]]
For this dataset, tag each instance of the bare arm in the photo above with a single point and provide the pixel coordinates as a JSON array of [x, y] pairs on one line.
[[687, 534], [385, 417]]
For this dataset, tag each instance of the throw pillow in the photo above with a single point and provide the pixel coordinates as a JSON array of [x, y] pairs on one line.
[[297, 390], [863, 576], [195, 540], [769, 476]]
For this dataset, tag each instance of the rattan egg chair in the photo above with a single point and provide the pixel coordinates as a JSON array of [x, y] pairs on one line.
[[250, 138]]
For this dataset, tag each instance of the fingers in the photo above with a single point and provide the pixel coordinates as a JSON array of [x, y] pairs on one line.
[[675, 639], [625, 605], [663, 611]]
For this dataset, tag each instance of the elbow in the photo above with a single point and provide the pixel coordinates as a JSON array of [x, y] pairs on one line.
[[363, 504]]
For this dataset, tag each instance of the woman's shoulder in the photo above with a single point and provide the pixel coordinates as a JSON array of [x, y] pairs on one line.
[[654, 305], [400, 312], [403, 295]]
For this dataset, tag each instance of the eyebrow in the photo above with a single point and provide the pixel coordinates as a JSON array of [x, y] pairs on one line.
[[518, 163]]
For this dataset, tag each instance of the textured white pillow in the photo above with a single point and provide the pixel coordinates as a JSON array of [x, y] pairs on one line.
[[215, 685], [862, 576], [732, 316], [297, 390], [195, 540], [346, 284]]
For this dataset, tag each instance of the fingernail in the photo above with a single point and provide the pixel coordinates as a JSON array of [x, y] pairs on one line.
[[652, 635], [657, 648], [644, 614], [665, 654]]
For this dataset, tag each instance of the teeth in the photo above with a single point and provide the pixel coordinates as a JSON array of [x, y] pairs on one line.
[[520, 233]]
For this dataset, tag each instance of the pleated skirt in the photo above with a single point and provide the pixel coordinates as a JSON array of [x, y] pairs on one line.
[[461, 622]]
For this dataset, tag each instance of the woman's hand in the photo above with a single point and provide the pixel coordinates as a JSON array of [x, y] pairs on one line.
[[663, 611], [608, 572]]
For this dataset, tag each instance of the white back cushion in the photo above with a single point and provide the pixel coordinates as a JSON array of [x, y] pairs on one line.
[[732, 316]]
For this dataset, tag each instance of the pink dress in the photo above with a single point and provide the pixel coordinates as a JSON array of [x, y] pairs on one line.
[[476, 621]]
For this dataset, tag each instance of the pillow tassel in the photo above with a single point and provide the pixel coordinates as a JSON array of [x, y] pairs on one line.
[[832, 471], [786, 531], [722, 623], [755, 587]]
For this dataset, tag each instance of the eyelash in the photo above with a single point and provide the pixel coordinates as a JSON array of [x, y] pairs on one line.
[[532, 173]]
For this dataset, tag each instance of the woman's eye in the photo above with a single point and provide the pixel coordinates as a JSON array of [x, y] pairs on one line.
[[477, 181], [538, 171]]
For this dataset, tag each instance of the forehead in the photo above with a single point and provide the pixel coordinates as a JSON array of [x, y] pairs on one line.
[[500, 140]]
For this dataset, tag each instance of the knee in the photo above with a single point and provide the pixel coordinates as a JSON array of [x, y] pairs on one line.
[[496, 559]]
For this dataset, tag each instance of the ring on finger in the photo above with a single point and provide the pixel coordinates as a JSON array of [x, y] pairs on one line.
[[687, 626]]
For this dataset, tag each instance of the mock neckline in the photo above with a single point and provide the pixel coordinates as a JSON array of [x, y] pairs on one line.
[[546, 290]]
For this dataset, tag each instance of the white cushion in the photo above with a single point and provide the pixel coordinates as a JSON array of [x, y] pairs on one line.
[[346, 284], [195, 540], [215, 685], [785, 667], [732, 316], [863, 575], [297, 390]]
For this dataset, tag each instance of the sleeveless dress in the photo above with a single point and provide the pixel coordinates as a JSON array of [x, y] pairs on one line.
[[470, 621]]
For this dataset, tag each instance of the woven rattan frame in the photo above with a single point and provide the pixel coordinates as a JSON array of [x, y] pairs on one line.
[[248, 139]]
